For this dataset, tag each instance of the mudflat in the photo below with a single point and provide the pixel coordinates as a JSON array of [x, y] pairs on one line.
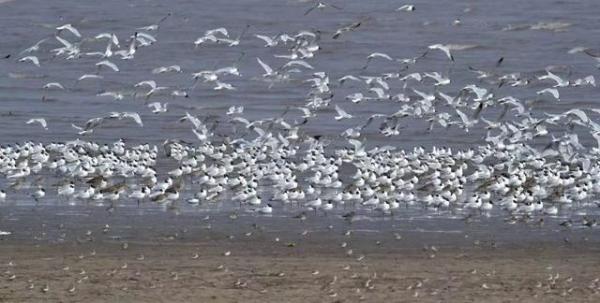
[[258, 268]]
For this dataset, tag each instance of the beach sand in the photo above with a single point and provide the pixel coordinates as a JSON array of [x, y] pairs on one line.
[[260, 269]]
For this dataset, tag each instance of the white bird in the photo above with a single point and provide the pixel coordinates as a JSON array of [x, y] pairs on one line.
[[38, 194], [32, 59], [90, 76], [70, 28], [110, 36], [298, 62], [306, 113], [551, 91], [53, 85], [268, 209], [114, 95], [108, 64], [438, 78], [235, 110], [268, 70], [443, 48], [559, 81], [35, 47], [406, 8], [131, 115], [379, 55], [223, 86], [321, 6], [41, 121], [466, 122], [157, 107], [166, 69], [341, 114], [270, 41], [152, 85]]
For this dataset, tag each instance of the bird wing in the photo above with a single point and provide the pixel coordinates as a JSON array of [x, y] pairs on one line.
[[267, 68], [379, 91], [221, 30], [33, 59], [380, 55], [305, 111], [299, 62], [41, 121], [155, 105], [340, 111], [64, 42], [463, 116], [135, 116], [150, 83], [553, 91], [311, 9], [195, 121], [579, 113], [108, 64], [242, 120], [356, 144], [267, 40], [147, 36], [70, 28]]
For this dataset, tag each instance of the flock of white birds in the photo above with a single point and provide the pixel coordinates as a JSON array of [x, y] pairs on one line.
[[529, 163]]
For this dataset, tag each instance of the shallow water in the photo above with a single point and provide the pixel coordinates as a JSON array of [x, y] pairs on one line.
[[483, 24]]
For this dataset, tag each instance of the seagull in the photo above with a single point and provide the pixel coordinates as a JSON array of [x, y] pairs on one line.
[[131, 115], [89, 76], [321, 6], [268, 70], [223, 86], [32, 59], [306, 112], [347, 28], [70, 28], [110, 36], [166, 69], [89, 126], [108, 64], [233, 42], [559, 81], [53, 85], [439, 79], [551, 91], [341, 114], [268, 209], [210, 35], [154, 27], [157, 107], [298, 62], [406, 8], [41, 121], [270, 41], [35, 47], [152, 85], [466, 122], [443, 48], [114, 95], [377, 55], [235, 110]]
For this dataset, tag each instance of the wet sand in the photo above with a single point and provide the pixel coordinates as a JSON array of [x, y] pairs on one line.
[[260, 269]]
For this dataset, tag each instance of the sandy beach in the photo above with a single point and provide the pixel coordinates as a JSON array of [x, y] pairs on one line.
[[258, 269]]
